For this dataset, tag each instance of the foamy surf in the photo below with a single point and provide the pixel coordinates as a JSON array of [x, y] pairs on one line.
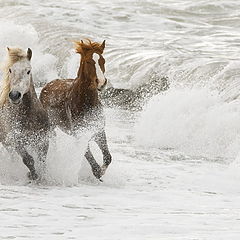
[[195, 121]]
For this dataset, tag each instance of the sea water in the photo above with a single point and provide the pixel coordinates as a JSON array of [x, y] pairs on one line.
[[175, 170]]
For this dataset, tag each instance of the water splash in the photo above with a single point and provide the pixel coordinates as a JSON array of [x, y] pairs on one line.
[[195, 121]]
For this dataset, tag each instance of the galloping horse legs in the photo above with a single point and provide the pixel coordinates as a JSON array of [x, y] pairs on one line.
[[42, 150], [28, 161], [101, 141], [96, 169]]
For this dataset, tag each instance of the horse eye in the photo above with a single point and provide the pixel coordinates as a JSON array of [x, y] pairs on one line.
[[10, 70], [28, 72]]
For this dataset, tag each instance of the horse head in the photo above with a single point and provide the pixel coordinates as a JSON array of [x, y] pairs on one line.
[[91, 56], [19, 74]]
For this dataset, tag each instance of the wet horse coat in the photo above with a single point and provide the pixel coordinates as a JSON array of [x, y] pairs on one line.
[[24, 123], [74, 104]]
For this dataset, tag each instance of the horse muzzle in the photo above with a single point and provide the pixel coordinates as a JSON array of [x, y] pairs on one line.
[[103, 86], [15, 97]]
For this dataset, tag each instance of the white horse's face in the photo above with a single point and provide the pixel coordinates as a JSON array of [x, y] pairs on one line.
[[100, 69], [20, 80]]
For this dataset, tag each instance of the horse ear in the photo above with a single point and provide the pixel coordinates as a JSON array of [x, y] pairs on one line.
[[103, 45], [8, 49], [82, 41], [29, 54]]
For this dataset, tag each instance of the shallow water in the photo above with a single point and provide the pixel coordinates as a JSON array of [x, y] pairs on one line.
[[175, 170]]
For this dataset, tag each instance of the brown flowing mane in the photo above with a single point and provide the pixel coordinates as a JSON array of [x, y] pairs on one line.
[[14, 55], [82, 47]]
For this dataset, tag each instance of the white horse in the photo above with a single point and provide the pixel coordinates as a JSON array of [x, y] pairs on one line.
[[24, 123]]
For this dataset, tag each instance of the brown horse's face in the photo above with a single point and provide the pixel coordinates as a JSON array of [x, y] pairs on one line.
[[101, 80]]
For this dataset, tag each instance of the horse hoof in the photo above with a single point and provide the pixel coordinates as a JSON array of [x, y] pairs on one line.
[[32, 176], [103, 169]]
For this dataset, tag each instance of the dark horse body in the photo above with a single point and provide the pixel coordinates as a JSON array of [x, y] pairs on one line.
[[74, 104], [23, 121]]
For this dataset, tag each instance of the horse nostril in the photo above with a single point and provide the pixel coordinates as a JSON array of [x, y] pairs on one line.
[[105, 83], [14, 95]]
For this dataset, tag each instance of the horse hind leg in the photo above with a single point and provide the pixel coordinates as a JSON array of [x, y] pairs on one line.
[[96, 169], [28, 161], [101, 141]]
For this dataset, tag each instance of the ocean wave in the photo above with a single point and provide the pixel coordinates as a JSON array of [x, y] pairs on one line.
[[195, 121]]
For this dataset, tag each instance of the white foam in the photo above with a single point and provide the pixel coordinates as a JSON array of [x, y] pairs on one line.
[[195, 121], [65, 158], [71, 65]]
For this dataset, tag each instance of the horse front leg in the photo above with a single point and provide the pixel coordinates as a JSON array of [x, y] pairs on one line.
[[42, 150], [28, 161], [96, 169], [101, 141]]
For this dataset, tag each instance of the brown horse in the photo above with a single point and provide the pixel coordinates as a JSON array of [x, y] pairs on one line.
[[74, 104], [23, 121]]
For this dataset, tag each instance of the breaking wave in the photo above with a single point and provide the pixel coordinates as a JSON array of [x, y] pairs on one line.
[[195, 121]]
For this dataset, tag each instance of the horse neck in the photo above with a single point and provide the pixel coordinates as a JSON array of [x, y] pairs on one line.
[[80, 70], [82, 93], [30, 98]]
